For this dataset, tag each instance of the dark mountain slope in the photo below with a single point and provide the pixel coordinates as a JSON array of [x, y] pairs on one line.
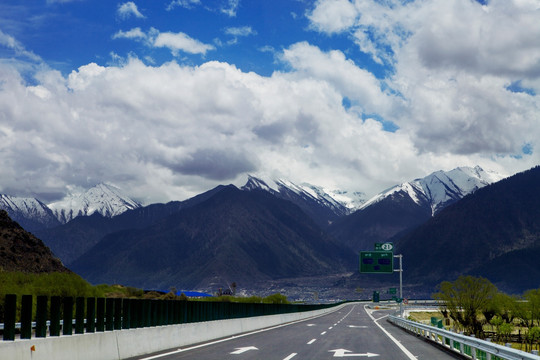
[[379, 222], [233, 236], [479, 235], [71, 240], [21, 251]]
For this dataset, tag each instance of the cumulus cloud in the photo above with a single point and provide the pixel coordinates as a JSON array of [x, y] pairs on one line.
[[181, 42], [334, 68], [176, 42], [149, 126], [333, 16], [463, 90], [129, 9], [453, 62]]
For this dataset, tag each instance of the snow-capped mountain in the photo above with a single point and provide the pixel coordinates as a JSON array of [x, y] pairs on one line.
[[106, 199], [441, 188], [322, 204], [408, 205], [30, 213]]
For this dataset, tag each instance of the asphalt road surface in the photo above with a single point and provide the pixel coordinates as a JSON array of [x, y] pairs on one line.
[[355, 332]]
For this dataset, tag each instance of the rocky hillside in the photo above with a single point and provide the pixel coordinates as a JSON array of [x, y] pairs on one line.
[[21, 251]]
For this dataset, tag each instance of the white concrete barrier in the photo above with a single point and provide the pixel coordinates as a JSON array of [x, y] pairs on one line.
[[122, 344]]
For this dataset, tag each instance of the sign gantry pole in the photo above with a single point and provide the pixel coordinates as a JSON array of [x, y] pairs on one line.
[[400, 256]]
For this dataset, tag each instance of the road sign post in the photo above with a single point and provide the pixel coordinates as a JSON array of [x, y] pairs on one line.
[[400, 283]]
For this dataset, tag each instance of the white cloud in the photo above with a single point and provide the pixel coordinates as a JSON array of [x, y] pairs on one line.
[[129, 9], [11, 43], [452, 64], [240, 31], [333, 16], [172, 131], [334, 68], [230, 8], [181, 42], [176, 42], [188, 4], [134, 34]]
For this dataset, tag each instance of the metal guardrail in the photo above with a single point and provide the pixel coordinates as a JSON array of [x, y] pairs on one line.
[[462, 344]]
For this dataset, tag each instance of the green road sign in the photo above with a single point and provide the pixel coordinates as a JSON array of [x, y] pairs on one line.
[[392, 291], [376, 262], [384, 246]]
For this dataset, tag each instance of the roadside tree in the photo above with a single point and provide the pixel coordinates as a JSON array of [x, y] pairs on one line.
[[465, 299]]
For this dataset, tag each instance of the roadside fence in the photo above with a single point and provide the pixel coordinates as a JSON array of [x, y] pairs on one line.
[[57, 315], [465, 345]]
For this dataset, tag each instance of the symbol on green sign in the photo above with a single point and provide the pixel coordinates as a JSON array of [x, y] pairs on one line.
[[376, 262], [384, 246]]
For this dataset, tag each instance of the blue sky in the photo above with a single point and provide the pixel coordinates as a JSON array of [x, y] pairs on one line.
[[168, 98]]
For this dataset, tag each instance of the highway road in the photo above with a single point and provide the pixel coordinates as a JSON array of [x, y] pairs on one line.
[[355, 332]]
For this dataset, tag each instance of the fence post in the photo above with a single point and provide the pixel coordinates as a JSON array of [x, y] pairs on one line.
[[126, 313], [41, 316], [54, 329], [10, 308], [91, 315], [100, 314], [137, 315], [109, 314], [147, 313], [26, 317], [117, 314], [67, 328], [79, 315], [155, 312]]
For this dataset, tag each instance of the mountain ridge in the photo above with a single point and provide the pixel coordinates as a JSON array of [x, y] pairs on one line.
[[218, 239], [407, 205]]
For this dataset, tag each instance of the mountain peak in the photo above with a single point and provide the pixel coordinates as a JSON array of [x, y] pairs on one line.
[[322, 204], [441, 188], [104, 198]]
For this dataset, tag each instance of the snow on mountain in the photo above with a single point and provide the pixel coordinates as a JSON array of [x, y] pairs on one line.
[[30, 213], [441, 187], [106, 199], [338, 202]]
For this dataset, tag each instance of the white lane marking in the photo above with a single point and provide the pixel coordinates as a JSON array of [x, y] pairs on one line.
[[290, 356], [357, 326], [243, 350], [324, 332], [311, 341], [347, 353], [310, 325], [330, 328], [231, 338], [400, 346]]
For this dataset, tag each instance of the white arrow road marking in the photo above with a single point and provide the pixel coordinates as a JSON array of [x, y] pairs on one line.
[[243, 350], [346, 353], [358, 326]]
